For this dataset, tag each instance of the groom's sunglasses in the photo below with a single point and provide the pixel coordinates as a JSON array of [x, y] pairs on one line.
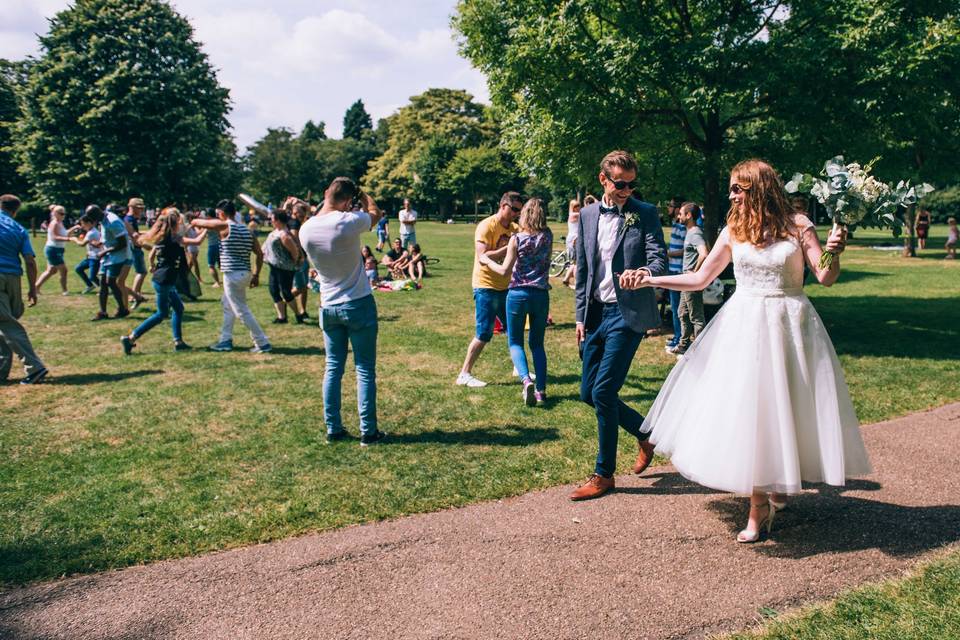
[[620, 185]]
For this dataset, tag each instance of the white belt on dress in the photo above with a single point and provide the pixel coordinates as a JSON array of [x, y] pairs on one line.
[[769, 293]]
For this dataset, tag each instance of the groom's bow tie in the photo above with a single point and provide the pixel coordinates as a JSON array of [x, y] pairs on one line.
[[609, 211]]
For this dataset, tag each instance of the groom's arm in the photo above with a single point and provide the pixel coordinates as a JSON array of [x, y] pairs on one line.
[[653, 242], [580, 290]]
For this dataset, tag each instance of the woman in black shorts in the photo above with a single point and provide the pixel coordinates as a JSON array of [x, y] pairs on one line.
[[282, 252]]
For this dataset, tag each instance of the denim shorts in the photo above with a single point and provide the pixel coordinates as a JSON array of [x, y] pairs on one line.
[[490, 304], [113, 270], [54, 255], [139, 264], [301, 276], [213, 255]]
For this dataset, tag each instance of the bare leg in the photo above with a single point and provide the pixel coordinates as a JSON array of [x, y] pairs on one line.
[[122, 284], [281, 308], [215, 276], [759, 512], [49, 271], [473, 352], [63, 277]]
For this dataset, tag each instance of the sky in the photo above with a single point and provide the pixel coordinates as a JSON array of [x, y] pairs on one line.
[[289, 61]]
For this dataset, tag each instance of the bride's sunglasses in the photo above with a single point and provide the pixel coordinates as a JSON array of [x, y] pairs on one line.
[[620, 185], [736, 189]]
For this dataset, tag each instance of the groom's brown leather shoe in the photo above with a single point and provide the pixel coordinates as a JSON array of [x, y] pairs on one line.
[[595, 486], [644, 457]]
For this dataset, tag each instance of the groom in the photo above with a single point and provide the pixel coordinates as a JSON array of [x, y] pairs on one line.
[[618, 233]]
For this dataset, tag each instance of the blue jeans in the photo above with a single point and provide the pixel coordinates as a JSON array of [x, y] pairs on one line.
[[353, 322], [607, 354], [490, 304], [93, 264], [535, 303], [167, 299], [675, 314]]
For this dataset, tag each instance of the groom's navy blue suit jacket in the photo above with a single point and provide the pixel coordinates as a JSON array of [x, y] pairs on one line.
[[640, 245]]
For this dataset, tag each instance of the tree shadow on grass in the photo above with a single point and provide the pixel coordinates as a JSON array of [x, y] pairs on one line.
[[854, 275], [900, 327], [96, 378], [299, 351], [509, 435], [829, 522]]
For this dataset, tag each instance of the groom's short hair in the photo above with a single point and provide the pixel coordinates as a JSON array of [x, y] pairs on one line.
[[619, 158]]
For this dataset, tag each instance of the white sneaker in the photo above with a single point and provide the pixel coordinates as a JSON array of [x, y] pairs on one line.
[[465, 379]]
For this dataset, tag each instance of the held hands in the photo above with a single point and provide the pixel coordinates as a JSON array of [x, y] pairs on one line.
[[635, 279], [837, 240]]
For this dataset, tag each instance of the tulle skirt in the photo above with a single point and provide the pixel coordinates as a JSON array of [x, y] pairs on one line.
[[759, 401]]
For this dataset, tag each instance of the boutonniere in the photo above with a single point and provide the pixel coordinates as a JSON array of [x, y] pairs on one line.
[[631, 220]]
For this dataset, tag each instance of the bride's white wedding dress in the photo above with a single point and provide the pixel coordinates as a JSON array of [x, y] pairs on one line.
[[759, 401]]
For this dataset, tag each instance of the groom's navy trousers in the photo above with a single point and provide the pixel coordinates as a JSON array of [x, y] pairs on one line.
[[608, 353]]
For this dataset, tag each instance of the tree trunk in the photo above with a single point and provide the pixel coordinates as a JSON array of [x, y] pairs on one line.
[[713, 203], [909, 242]]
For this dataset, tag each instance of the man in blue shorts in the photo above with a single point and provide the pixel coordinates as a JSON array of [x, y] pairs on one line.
[[115, 259], [383, 232], [490, 288]]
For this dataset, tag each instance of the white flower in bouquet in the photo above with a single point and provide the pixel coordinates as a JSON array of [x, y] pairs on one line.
[[852, 196]]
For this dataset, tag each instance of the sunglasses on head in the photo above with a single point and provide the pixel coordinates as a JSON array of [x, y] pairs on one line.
[[620, 185], [736, 189]]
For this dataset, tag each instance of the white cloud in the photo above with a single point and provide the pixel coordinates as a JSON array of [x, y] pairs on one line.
[[290, 61]]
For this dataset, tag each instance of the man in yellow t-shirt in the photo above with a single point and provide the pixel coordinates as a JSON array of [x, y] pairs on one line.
[[490, 288]]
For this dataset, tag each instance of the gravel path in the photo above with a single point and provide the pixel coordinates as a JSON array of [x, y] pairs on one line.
[[656, 559]]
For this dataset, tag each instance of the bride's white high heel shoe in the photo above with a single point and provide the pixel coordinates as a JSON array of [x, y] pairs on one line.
[[748, 536]]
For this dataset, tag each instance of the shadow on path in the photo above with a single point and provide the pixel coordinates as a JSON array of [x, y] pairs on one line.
[[829, 522], [668, 483]]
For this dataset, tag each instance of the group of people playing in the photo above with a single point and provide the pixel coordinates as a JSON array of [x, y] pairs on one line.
[[756, 405]]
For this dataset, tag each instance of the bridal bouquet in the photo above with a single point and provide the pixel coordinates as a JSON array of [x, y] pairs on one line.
[[854, 197]]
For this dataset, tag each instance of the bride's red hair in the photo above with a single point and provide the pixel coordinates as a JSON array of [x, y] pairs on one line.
[[765, 215]]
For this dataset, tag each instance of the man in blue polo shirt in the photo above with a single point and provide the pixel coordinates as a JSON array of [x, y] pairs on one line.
[[14, 242]]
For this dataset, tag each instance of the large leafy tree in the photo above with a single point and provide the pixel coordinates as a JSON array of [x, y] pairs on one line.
[[422, 138], [123, 101], [356, 121], [11, 80], [708, 80]]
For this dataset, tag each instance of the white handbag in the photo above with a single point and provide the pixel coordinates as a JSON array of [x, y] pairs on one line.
[[713, 294]]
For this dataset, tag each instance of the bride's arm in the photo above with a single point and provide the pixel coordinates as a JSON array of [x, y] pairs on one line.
[[715, 263], [812, 251]]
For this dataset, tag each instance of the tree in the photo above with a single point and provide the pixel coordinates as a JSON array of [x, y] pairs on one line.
[[478, 173], [282, 164], [313, 132], [122, 101], [356, 120], [422, 137], [11, 81], [707, 78]]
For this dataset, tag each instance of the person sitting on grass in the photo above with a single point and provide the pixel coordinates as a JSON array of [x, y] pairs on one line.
[[396, 260], [370, 268], [168, 261], [417, 265]]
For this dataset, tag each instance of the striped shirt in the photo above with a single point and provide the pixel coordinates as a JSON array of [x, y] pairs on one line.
[[677, 236], [235, 248]]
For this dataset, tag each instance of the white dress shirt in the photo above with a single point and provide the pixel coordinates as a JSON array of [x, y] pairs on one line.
[[608, 233]]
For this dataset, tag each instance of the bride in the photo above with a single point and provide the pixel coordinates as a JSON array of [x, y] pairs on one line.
[[759, 403]]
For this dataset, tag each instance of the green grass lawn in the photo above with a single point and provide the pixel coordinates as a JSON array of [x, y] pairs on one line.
[[924, 606], [123, 460]]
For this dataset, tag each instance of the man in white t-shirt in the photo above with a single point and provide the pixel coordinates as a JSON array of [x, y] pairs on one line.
[[408, 224], [331, 240]]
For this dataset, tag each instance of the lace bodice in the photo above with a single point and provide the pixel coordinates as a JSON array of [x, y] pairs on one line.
[[776, 266]]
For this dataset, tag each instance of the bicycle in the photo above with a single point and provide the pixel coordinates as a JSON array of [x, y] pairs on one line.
[[559, 260]]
